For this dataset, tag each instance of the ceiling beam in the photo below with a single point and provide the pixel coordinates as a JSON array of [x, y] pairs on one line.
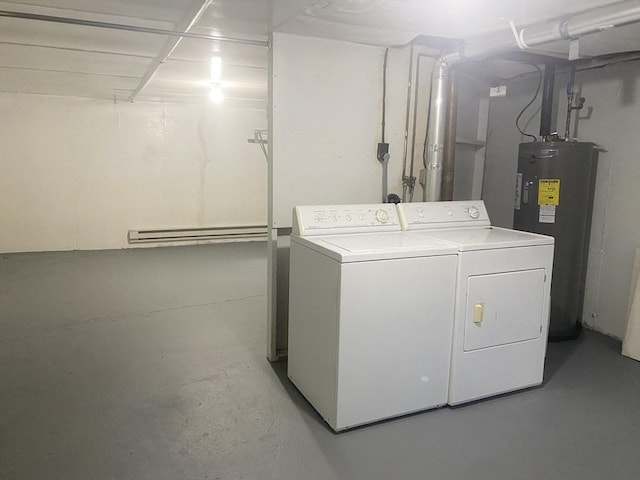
[[132, 28], [79, 50], [187, 22]]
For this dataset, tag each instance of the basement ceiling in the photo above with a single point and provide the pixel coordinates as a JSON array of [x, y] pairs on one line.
[[63, 59]]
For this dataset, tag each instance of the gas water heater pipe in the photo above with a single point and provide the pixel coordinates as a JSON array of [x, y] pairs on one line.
[[570, 106], [546, 108], [412, 178], [434, 145]]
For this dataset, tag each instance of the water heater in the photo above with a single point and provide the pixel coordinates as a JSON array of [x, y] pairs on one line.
[[554, 196]]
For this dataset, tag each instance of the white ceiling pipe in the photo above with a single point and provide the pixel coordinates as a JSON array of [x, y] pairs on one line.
[[585, 23], [132, 28]]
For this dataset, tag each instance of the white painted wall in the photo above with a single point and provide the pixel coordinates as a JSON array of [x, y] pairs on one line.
[[503, 138], [613, 96], [471, 136], [79, 173], [326, 107]]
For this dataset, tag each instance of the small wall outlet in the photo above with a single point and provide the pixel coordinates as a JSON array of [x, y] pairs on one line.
[[499, 91]]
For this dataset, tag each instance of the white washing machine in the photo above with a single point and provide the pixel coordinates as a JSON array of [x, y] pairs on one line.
[[502, 298], [370, 314]]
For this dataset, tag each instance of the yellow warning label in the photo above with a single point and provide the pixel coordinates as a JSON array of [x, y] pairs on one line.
[[549, 192]]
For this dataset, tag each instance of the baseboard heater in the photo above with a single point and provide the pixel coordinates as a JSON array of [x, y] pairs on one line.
[[221, 234]]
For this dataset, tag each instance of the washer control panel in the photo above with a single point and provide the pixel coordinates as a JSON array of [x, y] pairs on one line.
[[426, 215], [335, 219]]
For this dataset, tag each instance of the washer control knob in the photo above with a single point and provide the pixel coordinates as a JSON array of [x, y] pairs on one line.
[[382, 216], [474, 212]]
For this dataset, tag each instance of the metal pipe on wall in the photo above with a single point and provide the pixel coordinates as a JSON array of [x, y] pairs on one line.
[[570, 106], [547, 99], [130, 28], [448, 163], [434, 147], [570, 95], [412, 178], [406, 179]]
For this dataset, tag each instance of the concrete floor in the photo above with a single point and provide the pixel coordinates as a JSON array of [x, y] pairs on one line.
[[150, 364]]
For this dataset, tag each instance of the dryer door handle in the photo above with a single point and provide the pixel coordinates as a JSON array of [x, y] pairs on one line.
[[478, 313]]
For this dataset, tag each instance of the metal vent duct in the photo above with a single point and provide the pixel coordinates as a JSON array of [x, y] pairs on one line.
[[434, 147], [592, 21]]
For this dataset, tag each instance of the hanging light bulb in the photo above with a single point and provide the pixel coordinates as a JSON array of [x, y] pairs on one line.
[[216, 68], [216, 95]]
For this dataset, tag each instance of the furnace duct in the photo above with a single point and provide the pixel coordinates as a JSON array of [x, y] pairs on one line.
[[585, 23], [434, 146]]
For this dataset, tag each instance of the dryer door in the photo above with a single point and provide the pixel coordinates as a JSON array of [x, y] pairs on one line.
[[503, 308]]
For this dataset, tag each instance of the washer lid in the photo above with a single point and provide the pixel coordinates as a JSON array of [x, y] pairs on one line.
[[471, 238], [376, 246]]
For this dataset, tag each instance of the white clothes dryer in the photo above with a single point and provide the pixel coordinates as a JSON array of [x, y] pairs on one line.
[[502, 298], [370, 314]]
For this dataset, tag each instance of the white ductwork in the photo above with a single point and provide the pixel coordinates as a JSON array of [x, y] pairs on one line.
[[434, 146], [585, 23], [592, 21]]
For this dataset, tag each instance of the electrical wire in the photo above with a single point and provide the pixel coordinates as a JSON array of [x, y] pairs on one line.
[[384, 159], [426, 131], [529, 104], [384, 91]]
